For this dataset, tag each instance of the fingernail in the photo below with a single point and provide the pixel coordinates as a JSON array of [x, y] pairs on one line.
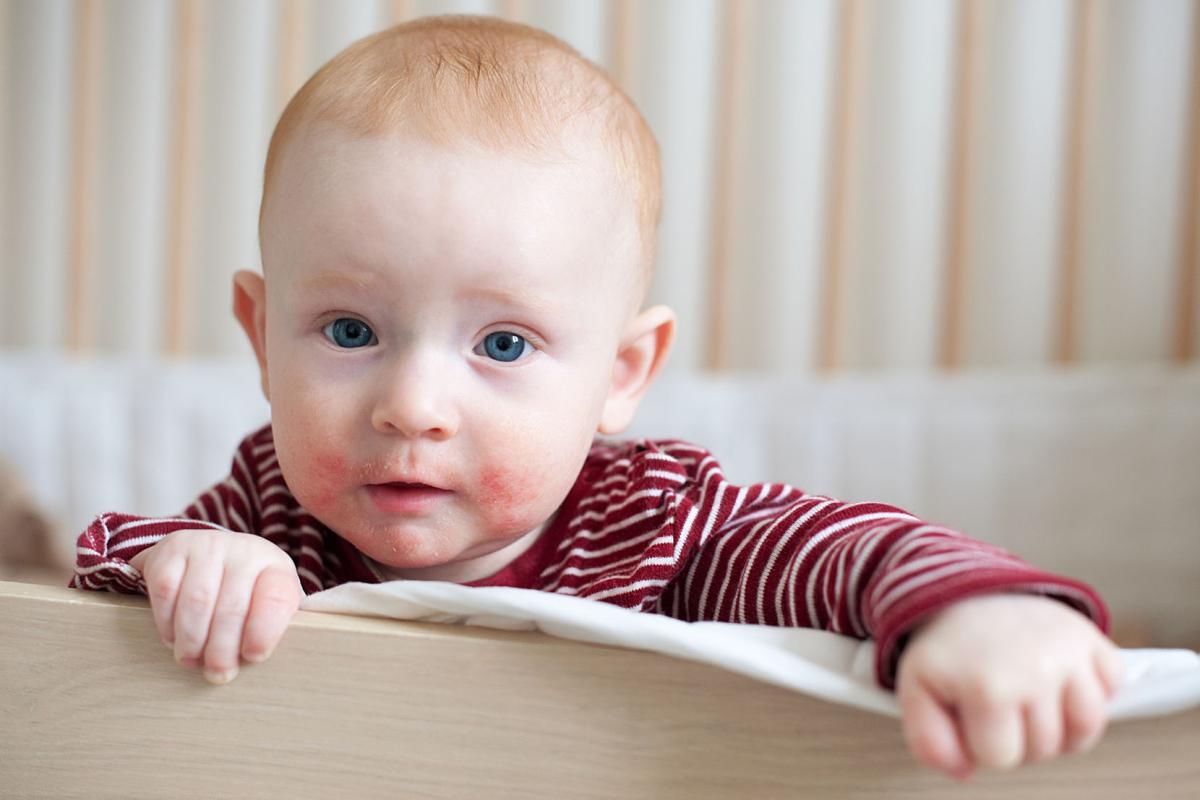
[[220, 676], [258, 659], [1082, 746]]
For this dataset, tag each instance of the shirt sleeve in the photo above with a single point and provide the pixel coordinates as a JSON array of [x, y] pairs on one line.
[[104, 549], [778, 556]]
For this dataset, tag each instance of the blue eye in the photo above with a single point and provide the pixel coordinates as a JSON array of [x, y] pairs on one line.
[[349, 332], [504, 346]]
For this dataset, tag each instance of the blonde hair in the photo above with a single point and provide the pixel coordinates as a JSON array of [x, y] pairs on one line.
[[497, 83]]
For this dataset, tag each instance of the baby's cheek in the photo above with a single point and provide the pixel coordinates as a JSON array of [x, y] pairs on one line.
[[328, 476], [513, 499], [321, 477]]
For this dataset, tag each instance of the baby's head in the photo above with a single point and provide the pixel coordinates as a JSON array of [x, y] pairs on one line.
[[457, 233]]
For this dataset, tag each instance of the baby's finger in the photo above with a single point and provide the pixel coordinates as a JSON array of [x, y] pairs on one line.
[[275, 600], [163, 579], [225, 632], [1043, 728], [1110, 668], [194, 608], [932, 732], [1084, 712], [994, 732]]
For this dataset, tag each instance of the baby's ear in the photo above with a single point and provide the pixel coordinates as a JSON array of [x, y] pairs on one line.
[[642, 353], [250, 308]]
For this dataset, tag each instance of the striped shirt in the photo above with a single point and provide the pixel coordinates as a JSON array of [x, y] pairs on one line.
[[652, 526]]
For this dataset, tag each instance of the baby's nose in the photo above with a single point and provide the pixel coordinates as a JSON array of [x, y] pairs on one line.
[[416, 400]]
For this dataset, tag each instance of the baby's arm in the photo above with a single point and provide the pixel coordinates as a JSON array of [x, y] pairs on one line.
[[871, 570], [867, 570], [104, 552]]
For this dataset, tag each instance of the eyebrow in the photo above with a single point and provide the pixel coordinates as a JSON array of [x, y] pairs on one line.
[[524, 300], [333, 279]]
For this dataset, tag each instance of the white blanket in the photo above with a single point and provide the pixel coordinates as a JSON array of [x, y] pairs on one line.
[[827, 665]]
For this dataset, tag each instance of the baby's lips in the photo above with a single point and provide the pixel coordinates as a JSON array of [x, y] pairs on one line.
[[410, 483], [406, 498]]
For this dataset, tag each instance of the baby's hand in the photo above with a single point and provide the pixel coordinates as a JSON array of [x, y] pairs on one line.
[[216, 594], [1004, 679]]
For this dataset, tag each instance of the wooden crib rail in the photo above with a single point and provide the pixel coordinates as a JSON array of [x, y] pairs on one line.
[[93, 705]]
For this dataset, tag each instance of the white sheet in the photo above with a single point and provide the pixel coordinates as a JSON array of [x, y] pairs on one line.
[[829, 666]]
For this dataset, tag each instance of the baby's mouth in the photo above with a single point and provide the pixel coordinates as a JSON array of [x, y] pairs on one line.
[[400, 497]]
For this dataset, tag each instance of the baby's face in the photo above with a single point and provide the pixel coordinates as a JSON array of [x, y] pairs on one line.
[[442, 317]]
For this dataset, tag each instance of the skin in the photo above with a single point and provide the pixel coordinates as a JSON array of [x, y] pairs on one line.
[[435, 248]]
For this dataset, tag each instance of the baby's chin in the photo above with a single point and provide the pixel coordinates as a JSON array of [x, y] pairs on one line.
[[404, 545], [480, 560], [415, 544]]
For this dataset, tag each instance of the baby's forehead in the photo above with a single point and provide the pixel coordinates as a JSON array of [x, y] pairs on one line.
[[328, 162], [350, 198]]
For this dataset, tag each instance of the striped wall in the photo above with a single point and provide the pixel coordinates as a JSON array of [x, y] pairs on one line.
[[854, 185]]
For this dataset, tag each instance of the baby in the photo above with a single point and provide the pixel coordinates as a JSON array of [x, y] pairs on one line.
[[457, 231]]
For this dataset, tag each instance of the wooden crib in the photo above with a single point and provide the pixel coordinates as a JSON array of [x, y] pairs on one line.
[[357, 707]]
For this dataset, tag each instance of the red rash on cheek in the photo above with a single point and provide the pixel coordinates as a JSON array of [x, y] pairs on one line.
[[329, 462], [499, 489], [325, 478], [506, 495]]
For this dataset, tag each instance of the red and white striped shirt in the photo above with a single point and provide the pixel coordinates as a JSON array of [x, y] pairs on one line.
[[652, 526]]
